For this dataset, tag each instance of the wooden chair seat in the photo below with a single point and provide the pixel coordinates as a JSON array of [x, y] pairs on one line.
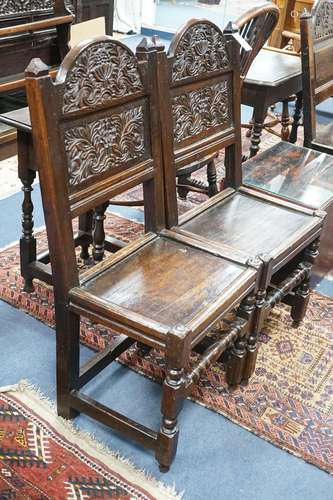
[[162, 283], [289, 171], [263, 227]]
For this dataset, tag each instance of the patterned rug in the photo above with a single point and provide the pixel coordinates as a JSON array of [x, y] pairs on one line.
[[289, 400], [43, 456]]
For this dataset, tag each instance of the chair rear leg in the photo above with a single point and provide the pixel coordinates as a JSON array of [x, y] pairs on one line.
[[68, 359], [172, 401], [182, 190], [98, 232]]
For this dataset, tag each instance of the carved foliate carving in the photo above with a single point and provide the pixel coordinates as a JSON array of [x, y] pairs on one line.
[[323, 19], [200, 110], [104, 144], [201, 50], [9, 7], [103, 72]]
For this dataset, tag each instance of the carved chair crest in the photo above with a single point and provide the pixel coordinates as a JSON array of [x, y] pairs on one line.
[[322, 14], [197, 53], [198, 49], [105, 74]]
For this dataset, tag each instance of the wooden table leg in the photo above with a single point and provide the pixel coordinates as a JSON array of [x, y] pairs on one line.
[[285, 121], [297, 117], [259, 115], [27, 241]]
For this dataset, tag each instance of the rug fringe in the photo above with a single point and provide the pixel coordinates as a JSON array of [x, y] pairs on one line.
[[34, 398]]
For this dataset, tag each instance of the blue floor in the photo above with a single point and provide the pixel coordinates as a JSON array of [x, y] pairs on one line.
[[216, 459]]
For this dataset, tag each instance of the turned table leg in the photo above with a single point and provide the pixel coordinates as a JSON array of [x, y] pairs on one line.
[[296, 118], [259, 115], [285, 121]]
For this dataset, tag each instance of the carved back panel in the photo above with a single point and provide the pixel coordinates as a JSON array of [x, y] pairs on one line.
[[256, 26], [14, 9], [102, 115], [200, 87], [317, 57]]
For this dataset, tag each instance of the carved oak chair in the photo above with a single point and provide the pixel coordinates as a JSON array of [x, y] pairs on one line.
[[255, 27], [317, 64], [303, 175], [245, 221], [96, 134]]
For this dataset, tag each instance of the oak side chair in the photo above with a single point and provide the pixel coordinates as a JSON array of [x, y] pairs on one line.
[[301, 175], [245, 221], [255, 27], [93, 141], [317, 64]]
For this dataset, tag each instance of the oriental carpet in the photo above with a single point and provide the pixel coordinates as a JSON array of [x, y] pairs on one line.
[[44, 457], [289, 400]]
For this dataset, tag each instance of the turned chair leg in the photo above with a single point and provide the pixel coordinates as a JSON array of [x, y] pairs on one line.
[[252, 340], [302, 293], [244, 351], [182, 190], [85, 225], [212, 178], [28, 251], [296, 118], [172, 401], [98, 232], [68, 359]]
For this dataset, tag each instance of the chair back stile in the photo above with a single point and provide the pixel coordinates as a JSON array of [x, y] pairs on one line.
[[199, 101], [96, 136], [317, 52]]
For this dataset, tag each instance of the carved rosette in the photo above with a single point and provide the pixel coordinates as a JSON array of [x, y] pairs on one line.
[[104, 144], [103, 72], [323, 20], [9, 7], [200, 110], [201, 50]]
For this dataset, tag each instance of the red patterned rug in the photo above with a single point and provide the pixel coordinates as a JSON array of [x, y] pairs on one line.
[[43, 456], [289, 400]]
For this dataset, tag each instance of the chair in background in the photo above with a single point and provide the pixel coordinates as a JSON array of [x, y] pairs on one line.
[[97, 134], [287, 32], [204, 87], [317, 65]]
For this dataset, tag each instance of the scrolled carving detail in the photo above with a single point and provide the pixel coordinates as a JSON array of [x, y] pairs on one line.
[[202, 49], [200, 110], [104, 144], [10, 7], [323, 19], [103, 72]]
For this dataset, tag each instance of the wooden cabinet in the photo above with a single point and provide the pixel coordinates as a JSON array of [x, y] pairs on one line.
[[90, 9]]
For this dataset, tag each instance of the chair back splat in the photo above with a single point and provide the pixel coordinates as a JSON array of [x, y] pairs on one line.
[[256, 26], [199, 85], [99, 134], [317, 57]]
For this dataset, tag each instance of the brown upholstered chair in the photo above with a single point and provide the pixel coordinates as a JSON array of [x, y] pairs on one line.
[[317, 65], [96, 133], [204, 87]]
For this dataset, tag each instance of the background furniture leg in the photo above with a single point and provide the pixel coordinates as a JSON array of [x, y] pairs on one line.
[[98, 232], [296, 118], [285, 121], [259, 116], [27, 241], [212, 178]]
